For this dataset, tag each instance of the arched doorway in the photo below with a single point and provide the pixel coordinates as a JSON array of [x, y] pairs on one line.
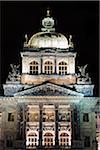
[[31, 140], [64, 139], [48, 139]]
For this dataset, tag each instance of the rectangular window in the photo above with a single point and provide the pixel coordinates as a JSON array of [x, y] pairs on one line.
[[10, 117], [86, 117], [87, 141]]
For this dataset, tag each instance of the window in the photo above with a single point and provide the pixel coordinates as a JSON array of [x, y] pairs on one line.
[[34, 67], [10, 117], [48, 139], [31, 140], [62, 68], [48, 67], [9, 141], [86, 117], [64, 139], [87, 141]]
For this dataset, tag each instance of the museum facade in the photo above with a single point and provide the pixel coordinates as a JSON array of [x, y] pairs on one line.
[[46, 103]]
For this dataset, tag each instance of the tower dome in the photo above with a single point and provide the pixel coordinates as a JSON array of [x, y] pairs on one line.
[[48, 38]]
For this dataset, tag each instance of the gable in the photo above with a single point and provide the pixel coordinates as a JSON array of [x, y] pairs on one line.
[[48, 89]]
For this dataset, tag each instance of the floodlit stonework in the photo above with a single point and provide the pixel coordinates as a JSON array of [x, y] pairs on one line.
[[48, 105]]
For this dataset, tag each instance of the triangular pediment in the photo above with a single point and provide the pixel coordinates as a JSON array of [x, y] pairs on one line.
[[48, 89]]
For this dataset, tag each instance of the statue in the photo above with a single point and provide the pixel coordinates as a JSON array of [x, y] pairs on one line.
[[26, 37], [82, 70], [26, 40], [71, 45], [82, 75], [14, 74]]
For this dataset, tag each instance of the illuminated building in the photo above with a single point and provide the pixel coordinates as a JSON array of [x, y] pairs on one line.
[[48, 105]]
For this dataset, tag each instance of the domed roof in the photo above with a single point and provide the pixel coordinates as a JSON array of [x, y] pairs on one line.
[[48, 40]]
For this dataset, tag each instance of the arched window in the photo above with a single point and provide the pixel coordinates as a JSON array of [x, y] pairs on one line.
[[64, 139], [48, 67], [48, 139], [34, 67], [62, 68], [31, 140]]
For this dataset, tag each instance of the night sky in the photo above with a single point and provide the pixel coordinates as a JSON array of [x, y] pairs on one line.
[[81, 19]]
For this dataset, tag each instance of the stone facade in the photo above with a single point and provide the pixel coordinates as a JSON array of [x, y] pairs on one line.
[[49, 105]]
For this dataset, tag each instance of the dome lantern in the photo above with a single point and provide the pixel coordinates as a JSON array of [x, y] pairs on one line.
[[48, 23]]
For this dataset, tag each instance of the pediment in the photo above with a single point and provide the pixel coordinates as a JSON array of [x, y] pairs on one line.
[[48, 89]]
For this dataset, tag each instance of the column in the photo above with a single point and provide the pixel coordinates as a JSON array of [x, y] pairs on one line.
[[21, 124], [55, 65], [40, 125], [56, 125], [41, 68]]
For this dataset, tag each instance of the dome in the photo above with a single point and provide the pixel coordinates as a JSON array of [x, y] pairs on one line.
[[48, 40]]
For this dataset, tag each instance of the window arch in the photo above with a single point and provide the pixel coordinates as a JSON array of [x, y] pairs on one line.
[[48, 67], [62, 68], [34, 67], [48, 139], [64, 139], [31, 140]]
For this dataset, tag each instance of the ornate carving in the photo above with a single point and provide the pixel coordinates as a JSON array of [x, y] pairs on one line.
[[65, 127], [48, 127], [14, 74]]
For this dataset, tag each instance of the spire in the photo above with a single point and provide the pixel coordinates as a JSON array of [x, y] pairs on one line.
[[48, 12]]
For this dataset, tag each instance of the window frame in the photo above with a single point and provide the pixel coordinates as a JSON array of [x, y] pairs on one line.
[[34, 68], [62, 68], [48, 67]]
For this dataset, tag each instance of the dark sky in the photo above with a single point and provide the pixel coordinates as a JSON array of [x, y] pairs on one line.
[[81, 19]]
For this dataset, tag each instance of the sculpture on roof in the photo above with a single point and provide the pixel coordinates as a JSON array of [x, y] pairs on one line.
[[71, 45], [82, 70], [26, 40], [83, 76], [14, 74]]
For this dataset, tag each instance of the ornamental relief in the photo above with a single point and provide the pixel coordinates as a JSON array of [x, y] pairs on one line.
[[47, 91], [48, 127], [48, 116]]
